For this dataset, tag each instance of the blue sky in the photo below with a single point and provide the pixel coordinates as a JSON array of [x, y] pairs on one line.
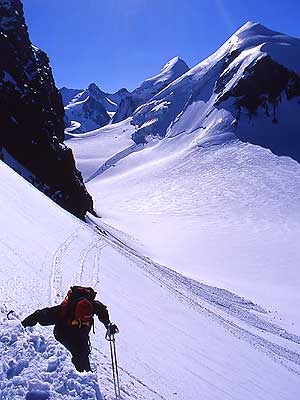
[[120, 43]]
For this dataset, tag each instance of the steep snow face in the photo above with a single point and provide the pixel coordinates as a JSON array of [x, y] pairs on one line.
[[229, 82], [150, 87], [217, 337], [89, 109]]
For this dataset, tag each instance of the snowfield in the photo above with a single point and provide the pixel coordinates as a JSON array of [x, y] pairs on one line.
[[231, 226], [178, 338]]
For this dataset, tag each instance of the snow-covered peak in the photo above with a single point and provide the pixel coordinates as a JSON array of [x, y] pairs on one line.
[[121, 91], [251, 28], [281, 48], [90, 108], [256, 71], [170, 71]]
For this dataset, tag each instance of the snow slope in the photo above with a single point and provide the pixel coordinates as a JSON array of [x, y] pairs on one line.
[[220, 320], [197, 199], [116, 143], [179, 338], [195, 183], [227, 217]]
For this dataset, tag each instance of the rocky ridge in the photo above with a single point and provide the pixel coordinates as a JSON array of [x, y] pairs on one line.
[[32, 116]]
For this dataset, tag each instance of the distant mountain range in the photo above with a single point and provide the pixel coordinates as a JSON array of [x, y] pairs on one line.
[[249, 88], [91, 108]]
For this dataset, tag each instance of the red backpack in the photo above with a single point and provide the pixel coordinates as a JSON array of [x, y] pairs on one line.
[[77, 309]]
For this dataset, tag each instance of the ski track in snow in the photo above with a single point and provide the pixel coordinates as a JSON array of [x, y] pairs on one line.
[[57, 379], [89, 274], [89, 265], [57, 294], [239, 316]]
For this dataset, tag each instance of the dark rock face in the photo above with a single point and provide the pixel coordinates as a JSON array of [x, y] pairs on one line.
[[95, 112], [32, 115], [264, 85], [125, 110], [262, 90]]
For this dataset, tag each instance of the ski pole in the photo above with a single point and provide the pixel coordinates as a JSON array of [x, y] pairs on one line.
[[114, 362], [114, 367]]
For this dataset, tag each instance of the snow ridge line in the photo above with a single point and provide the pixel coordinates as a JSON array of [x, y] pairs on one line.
[[212, 302], [113, 160]]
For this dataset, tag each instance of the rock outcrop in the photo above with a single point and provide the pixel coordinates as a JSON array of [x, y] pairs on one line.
[[32, 116]]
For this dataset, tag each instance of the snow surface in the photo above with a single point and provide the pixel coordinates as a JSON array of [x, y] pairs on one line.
[[178, 338], [223, 214], [116, 143]]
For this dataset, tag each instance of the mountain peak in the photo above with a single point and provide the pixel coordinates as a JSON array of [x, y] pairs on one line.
[[94, 89], [122, 91], [169, 72], [174, 61], [251, 28]]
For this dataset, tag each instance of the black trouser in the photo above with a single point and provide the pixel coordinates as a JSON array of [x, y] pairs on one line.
[[77, 341]]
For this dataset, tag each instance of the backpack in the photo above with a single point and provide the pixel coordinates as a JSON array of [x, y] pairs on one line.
[[77, 309]]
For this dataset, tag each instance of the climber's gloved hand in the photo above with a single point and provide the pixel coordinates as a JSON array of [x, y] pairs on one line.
[[31, 320], [112, 329]]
